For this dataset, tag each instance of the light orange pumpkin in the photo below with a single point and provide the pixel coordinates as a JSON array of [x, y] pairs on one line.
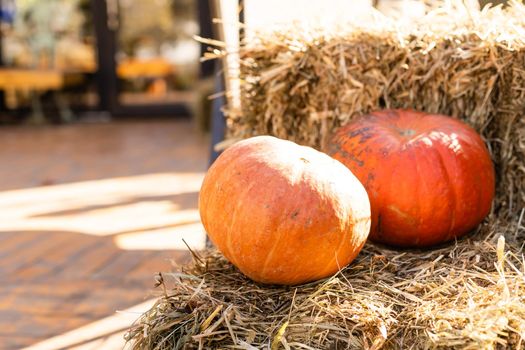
[[283, 213], [429, 177]]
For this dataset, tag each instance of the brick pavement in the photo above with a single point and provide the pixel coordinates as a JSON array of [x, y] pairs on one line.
[[88, 214]]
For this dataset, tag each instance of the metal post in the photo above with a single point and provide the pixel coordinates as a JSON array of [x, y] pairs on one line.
[[206, 31], [3, 107], [106, 47]]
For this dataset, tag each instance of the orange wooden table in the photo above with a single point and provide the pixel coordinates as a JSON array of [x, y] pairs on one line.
[[35, 81]]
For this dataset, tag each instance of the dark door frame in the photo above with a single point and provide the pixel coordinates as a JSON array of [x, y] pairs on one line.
[[107, 81], [2, 94]]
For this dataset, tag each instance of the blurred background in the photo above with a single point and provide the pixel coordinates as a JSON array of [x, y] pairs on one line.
[[104, 120], [64, 58], [106, 131]]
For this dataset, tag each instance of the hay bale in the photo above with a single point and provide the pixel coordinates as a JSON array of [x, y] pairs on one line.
[[469, 296], [301, 86]]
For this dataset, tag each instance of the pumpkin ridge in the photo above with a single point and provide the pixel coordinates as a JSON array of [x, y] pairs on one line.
[[452, 195], [299, 179], [229, 244], [269, 255], [336, 251], [419, 182], [293, 177], [479, 193], [349, 229], [229, 241]]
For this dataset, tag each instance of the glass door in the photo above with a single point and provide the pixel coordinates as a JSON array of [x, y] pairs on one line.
[[46, 47], [148, 57]]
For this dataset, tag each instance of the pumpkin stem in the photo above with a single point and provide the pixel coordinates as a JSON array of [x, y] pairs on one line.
[[407, 132]]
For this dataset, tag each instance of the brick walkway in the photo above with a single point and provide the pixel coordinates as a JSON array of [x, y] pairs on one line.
[[88, 214]]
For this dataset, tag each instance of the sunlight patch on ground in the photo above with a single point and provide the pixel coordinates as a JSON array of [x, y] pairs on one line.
[[171, 238], [154, 211], [106, 333]]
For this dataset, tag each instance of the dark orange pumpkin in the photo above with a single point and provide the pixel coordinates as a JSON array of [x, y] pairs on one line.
[[283, 213], [429, 177]]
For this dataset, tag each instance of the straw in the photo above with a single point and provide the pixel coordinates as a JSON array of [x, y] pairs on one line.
[[301, 85]]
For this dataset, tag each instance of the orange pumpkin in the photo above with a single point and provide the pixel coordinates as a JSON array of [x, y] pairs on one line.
[[283, 213], [429, 177]]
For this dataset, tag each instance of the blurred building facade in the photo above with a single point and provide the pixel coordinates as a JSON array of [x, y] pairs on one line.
[[121, 56]]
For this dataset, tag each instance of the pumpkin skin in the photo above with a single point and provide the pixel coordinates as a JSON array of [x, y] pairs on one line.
[[429, 177], [283, 213]]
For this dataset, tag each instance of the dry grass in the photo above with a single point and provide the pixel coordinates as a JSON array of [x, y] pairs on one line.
[[301, 86], [470, 295]]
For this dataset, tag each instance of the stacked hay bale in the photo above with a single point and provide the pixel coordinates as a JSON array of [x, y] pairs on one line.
[[302, 86]]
